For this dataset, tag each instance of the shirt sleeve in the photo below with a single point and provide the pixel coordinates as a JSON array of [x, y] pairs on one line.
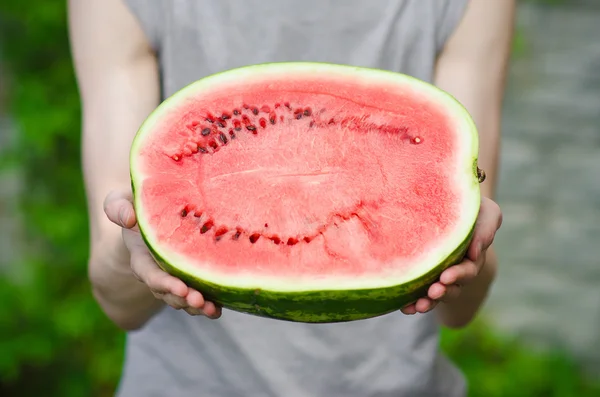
[[449, 13], [150, 15]]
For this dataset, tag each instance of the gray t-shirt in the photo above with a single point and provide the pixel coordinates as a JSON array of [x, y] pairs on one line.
[[177, 355]]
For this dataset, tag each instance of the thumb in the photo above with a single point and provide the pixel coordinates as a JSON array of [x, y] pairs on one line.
[[118, 207], [488, 223]]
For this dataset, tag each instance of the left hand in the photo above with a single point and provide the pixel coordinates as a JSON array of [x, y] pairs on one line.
[[455, 277]]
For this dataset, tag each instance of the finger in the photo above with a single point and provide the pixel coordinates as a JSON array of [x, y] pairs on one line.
[[436, 291], [211, 310], [409, 309], [462, 273], [146, 270], [488, 223], [192, 311], [195, 299], [176, 302], [432, 306], [425, 305], [452, 292], [118, 207], [443, 293], [199, 312], [419, 306]]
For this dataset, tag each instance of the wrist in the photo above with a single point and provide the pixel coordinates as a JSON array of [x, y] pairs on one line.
[[461, 311], [109, 257], [128, 302]]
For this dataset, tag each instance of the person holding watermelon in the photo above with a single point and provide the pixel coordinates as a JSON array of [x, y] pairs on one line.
[[131, 54]]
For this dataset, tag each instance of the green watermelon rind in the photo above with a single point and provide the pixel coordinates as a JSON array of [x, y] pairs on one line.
[[319, 304], [324, 306]]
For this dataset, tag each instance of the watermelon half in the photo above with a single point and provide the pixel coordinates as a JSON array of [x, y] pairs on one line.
[[307, 192]]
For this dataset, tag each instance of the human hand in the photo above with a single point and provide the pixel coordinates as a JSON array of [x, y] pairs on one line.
[[453, 279], [119, 209]]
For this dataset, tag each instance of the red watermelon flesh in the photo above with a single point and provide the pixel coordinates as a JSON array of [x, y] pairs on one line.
[[303, 178]]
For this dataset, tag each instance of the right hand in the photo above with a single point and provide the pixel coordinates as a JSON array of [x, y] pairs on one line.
[[119, 209]]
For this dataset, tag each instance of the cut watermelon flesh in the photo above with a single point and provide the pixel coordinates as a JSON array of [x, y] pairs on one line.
[[297, 177]]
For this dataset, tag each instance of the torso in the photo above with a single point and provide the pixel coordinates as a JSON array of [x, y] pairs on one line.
[[176, 355]]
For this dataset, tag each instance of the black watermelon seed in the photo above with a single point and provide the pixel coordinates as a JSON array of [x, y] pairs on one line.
[[206, 227], [205, 132]]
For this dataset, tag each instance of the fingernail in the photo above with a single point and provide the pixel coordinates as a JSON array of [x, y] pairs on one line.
[[122, 213], [478, 249]]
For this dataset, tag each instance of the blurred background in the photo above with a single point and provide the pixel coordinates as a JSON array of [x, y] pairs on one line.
[[539, 334]]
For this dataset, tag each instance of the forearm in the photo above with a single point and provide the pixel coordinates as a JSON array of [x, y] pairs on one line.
[[118, 81], [125, 300], [473, 68]]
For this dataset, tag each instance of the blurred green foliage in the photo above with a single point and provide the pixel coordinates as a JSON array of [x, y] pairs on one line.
[[54, 340], [499, 366]]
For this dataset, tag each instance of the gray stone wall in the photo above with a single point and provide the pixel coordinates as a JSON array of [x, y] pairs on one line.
[[549, 246]]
